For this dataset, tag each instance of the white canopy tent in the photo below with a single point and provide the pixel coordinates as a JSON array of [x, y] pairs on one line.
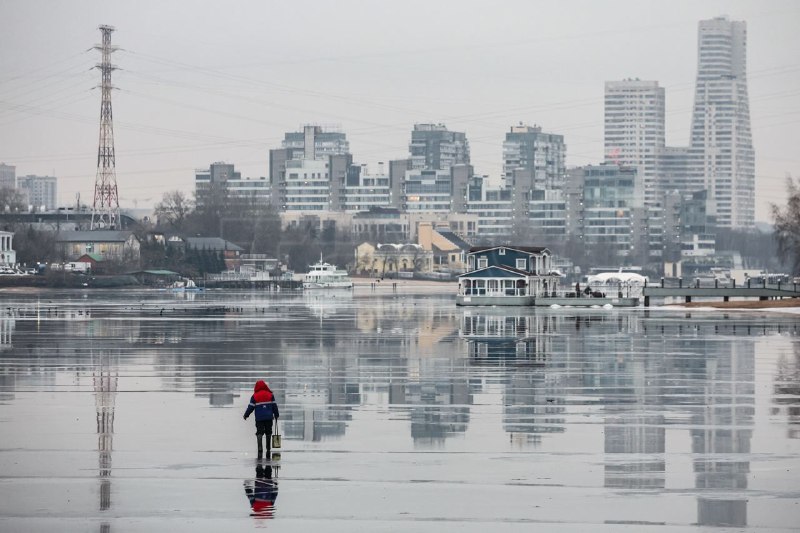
[[629, 283]]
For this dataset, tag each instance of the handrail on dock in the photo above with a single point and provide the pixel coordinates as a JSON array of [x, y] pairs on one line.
[[762, 290]]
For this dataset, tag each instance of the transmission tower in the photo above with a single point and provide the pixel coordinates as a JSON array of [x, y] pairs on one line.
[[105, 209]]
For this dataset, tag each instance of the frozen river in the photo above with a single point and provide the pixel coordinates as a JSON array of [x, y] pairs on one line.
[[122, 411]]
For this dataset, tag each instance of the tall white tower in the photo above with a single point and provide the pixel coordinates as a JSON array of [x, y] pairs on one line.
[[721, 141]]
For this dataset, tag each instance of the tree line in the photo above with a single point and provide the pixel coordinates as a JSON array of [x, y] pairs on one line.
[[257, 229]]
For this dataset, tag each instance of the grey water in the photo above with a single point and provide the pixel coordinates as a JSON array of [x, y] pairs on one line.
[[122, 411]]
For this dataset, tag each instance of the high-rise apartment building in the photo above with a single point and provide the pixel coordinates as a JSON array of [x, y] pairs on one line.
[[676, 171], [309, 172], [427, 190], [8, 176], [222, 180], [548, 215], [41, 192], [604, 208], [721, 142], [532, 161], [315, 143], [634, 129], [494, 210], [542, 154], [365, 190], [434, 147]]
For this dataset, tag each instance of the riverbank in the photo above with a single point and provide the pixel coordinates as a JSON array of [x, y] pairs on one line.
[[743, 304], [68, 281], [405, 285]]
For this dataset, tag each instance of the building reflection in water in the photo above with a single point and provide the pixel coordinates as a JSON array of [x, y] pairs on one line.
[[786, 391], [411, 359], [7, 325], [317, 410], [499, 336], [439, 397], [533, 399], [636, 372], [318, 406], [722, 430], [634, 435], [641, 375], [640, 441], [533, 405], [7, 379]]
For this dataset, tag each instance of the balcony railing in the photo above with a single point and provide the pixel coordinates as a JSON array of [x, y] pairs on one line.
[[482, 291]]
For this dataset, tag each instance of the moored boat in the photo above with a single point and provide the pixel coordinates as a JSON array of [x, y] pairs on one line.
[[326, 276]]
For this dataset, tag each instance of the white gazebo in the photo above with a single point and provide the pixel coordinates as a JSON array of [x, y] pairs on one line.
[[629, 284]]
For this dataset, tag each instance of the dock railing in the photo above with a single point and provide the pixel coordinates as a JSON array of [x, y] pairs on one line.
[[697, 288]]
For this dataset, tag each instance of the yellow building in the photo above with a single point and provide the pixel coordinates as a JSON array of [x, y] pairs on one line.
[[448, 249], [382, 259]]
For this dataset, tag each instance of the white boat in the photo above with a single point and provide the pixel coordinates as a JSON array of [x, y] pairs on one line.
[[185, 285], [326, 276]]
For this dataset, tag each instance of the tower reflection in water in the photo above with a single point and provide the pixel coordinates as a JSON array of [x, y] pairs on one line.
[[723, 430], [786, 391], [105, 377], [644, 376]]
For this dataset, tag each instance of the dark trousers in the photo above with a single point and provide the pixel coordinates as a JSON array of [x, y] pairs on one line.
[[264, 427]]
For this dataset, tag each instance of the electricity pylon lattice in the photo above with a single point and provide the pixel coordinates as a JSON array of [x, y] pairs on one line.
[[105, 209]]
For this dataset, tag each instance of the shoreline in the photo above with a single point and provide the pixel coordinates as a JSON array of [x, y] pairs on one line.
[[742, 304]]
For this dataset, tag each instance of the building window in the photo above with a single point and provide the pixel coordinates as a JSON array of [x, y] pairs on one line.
[[502, 251], [483, 262], [471, 262], [520, 264]]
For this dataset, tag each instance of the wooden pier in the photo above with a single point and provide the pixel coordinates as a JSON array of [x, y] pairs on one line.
[[760, 290], [267, 285]]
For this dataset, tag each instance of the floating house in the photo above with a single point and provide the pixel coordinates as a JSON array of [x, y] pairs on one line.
[[507, 275]]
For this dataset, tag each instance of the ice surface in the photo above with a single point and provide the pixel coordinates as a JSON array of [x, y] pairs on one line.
[[121, 411]]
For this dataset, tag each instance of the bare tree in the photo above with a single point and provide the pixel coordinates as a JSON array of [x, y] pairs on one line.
[[787, 225], [173, 209], [34, 245], [11, 200]]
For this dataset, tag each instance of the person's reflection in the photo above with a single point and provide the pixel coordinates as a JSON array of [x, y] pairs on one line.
[[262, 492]]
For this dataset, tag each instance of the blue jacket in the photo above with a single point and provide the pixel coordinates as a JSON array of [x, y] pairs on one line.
[[263, 403]]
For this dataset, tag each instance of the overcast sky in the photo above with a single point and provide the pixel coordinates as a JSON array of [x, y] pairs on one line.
[[205, 81]]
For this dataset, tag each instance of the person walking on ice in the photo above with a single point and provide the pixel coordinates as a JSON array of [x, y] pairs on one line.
[[263, 403]]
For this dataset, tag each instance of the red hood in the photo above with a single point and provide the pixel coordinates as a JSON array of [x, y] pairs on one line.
[[260, 385]]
